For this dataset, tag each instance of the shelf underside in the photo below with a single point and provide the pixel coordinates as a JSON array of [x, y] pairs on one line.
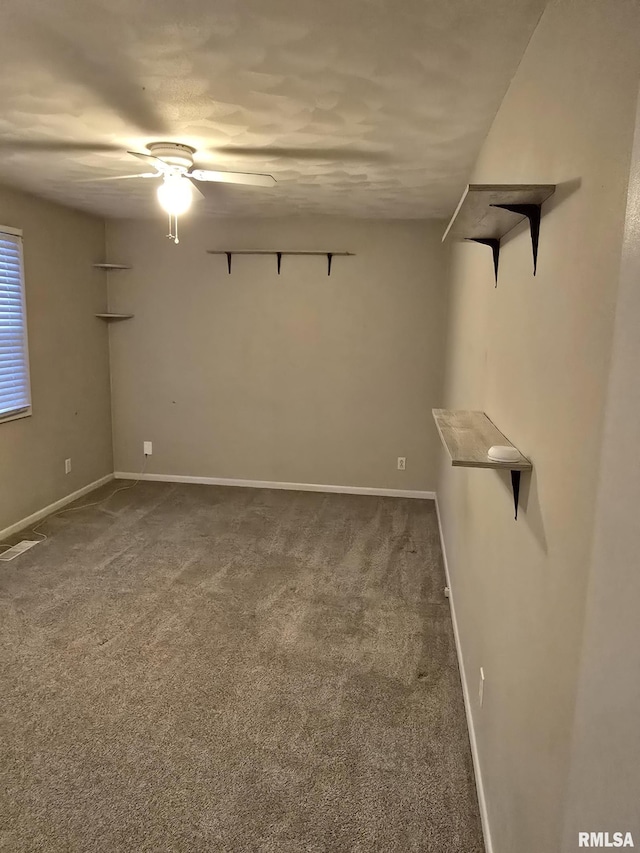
[[108, 267], [279, 254], [467, 436], [109, 316], [476, 217], [276, 252]]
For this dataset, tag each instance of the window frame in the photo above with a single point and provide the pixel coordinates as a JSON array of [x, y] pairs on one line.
[[28, 410]]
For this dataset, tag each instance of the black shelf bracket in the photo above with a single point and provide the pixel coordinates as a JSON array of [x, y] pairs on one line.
[[515, 485], [279, 253], [533, 214], [494, 245]]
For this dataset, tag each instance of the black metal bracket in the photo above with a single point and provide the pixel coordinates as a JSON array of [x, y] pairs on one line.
[[533, 214], [515, 485], [494, 245], [279, 255]]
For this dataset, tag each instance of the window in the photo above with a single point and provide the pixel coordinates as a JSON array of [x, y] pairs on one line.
[[15, 394]]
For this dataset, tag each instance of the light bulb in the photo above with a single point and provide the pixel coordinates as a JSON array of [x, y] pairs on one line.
[[174, 195]]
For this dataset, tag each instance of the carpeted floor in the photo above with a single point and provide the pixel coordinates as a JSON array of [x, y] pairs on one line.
[[199, 668]]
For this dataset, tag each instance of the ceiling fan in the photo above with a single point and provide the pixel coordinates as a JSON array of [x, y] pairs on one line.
[[112, 78], [173, 163]]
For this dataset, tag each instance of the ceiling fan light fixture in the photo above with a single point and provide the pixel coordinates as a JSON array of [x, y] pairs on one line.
[[175, 195]]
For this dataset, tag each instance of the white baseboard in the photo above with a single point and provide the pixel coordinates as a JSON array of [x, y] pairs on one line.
[[482, 802], [267, 484], [47, 510]]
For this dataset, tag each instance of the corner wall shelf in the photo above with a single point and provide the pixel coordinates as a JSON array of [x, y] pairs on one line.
[[111, 267], [467, 437], [486, 212], [112, 315], [231, 252], [108, 316]]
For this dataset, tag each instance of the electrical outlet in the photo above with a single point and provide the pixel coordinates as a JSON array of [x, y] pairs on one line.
[[67, 466], [481, 687], [402, 463], [148, 448]]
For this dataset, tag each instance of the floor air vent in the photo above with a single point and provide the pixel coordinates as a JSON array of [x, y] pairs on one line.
[[18, 549]]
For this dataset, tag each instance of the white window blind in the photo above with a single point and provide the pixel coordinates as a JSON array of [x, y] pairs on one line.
[[15, 397]]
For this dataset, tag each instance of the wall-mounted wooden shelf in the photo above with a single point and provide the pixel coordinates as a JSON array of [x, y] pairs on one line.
[[467, 437], [487, 212], [278, 253], [110, 316], [111, 267]]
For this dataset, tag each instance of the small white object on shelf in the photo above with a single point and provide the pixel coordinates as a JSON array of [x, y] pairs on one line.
[[503, 453]]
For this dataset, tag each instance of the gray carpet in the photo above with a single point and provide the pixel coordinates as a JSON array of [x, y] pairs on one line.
[[199, 668]]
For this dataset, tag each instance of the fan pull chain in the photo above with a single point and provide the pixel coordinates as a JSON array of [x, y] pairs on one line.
[[173, 221]]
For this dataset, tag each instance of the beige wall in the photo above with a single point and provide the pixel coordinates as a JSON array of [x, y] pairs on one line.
[[605, 777], [69, 359], [534, 354], [292, 378]]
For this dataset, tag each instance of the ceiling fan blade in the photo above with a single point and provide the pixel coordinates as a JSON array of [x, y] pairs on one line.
[[346, 155], [72, 57], [53, 145], [248, 178], [196, 187], [149, 159], [119, 177]]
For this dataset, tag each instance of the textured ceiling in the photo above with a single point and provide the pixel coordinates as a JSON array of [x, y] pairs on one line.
[[385, 104]]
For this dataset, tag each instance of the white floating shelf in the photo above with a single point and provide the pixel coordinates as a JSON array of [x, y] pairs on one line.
[[467, 437], [108, 316], [109, 267]]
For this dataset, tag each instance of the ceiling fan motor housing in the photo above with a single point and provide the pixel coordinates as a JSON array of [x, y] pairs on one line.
[[175, 155]]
